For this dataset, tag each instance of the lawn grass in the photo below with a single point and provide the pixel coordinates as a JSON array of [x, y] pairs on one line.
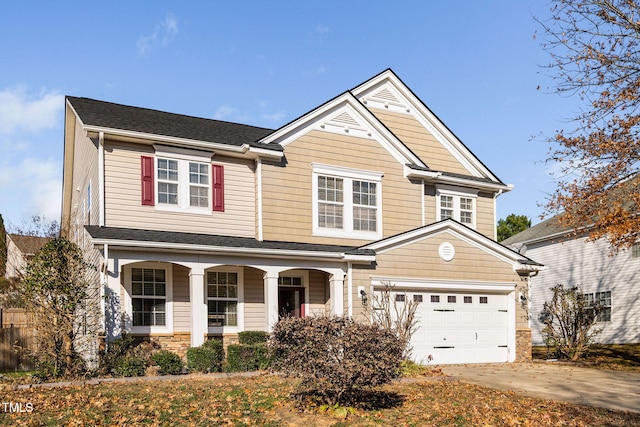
[[264, 400], [619, 357]]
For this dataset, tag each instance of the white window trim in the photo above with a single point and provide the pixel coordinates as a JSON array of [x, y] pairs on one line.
[[457, 193], [240, 309], [348, 175], [183, 156], [128, 305]]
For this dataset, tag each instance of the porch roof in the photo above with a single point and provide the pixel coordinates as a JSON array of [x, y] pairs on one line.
[[210, 242]]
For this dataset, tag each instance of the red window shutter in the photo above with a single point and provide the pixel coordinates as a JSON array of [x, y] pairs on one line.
[[217, 183], [147, 181]]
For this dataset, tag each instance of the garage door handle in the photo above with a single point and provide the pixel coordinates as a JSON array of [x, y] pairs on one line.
[[476, 336], [503, 346], [444, 346], [435, 309], [503, 311]]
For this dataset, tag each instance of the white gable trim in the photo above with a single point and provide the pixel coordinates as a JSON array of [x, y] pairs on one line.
[[455, 230], [407, 103], [344, 115]]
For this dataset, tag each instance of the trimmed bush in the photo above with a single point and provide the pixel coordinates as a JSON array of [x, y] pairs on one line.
[[338, 360], [243, 357], [252, 337], [131, 366], [206, 358], [168, 363]]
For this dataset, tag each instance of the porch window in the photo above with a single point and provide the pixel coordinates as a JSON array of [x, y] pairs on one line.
[[222, 298], [149, 296]]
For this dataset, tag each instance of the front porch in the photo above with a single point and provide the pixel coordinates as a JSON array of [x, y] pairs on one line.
[[180, 300]]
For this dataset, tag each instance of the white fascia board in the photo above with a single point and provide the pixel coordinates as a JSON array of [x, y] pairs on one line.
[[455, 230], [304, 124], [430, 122], [185, 142], [266, 253], [438, 177], [412, 283]]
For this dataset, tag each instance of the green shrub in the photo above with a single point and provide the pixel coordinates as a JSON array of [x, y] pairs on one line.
[[206, 358], [338, 360], [116, 350], [243, 358], [131, 366], [168, 363], [252, 337]]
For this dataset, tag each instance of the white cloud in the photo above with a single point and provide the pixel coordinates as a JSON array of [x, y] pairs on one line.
[[34, 187], [19, 111], [164, 32], [322, 29], [223, 113], [277, 116]]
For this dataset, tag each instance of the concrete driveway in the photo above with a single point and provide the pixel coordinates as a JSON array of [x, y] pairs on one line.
[[585, 386]]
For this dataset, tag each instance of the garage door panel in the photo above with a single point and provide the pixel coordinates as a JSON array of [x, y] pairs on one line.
[[456, 327]]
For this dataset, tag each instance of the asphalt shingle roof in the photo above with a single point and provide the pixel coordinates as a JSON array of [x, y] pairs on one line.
[[215, 241], [549, 227], [116, 116]]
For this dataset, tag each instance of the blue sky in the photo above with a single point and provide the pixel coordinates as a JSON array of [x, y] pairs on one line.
[[475, 64]]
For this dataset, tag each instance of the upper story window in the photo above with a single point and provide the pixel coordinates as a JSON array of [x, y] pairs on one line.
[[457, 204], [182, 179], [347, 202]]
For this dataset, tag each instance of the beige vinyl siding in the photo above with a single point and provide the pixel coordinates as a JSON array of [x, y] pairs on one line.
[[255, 317], [287, 191], [123, 197], [317, 295], [181, 302], [485, 215], [420, 141], [421, 260]]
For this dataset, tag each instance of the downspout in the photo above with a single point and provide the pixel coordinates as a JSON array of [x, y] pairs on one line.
[[350, 289], [259, 196], [101, 196], [495, 214], [103, 286]]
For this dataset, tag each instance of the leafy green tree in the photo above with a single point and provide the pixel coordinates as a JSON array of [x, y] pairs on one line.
[[63, 304], [3, 248], [511, 225]]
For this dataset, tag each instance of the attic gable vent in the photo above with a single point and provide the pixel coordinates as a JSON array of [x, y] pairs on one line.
[[346, 119], [386, 95]]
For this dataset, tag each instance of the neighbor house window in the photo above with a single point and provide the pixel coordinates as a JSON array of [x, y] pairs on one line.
[[604, 300], [635, 250], [347, 202], [456, 204], [222, 298], [149, 296]]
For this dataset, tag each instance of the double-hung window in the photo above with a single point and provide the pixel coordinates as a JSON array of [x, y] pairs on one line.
[[182, 179], [457, 204], [603, 299], [347, 202], [149, 296], [222, 298]]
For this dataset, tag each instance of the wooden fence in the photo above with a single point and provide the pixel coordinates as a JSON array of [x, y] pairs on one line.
[[16, 339]]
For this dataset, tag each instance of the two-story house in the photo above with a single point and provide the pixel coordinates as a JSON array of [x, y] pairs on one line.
[[204, 228]]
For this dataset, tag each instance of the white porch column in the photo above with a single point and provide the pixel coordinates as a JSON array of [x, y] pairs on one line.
[[336, 292], [271, 298], [198, 307]]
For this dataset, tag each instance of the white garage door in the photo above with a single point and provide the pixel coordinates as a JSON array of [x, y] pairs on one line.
[[460, 328]]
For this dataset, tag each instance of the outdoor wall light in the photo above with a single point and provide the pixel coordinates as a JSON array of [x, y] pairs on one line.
[[363, 295]]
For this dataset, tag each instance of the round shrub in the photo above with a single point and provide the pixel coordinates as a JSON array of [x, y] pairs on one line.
[[206, 358], [168, 363], [130, 366]]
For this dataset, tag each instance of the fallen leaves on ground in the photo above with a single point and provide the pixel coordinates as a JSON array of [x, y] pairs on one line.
[[265, 401]]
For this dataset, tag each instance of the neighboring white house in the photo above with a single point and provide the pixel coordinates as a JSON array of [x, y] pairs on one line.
[[574, 261]]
